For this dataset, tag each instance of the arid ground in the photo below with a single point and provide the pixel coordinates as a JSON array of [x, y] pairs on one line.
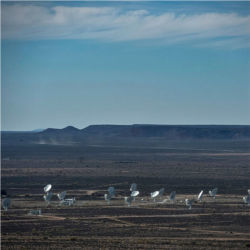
[[86, 171]]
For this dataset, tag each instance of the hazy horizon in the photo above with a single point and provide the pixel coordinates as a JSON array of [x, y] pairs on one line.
[[152, 124], [123, 63]]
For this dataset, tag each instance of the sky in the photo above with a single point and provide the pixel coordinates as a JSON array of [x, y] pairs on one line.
[[83, 63]]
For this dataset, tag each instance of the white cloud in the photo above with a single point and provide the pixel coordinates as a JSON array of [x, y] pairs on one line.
[[113, 24]]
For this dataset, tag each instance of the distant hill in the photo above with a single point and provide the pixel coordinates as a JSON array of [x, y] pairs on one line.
[[130, 134], [66, 130], [37, 130], [175, 132]]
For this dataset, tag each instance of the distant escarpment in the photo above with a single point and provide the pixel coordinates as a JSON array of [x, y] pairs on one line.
[[131, 134], [166, 131]]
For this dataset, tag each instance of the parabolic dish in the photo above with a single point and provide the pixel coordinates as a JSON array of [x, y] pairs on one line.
[[213, 192], [189, 203], [161, 192], [247, 199], [154, 194], [48, 196], [128, 200], [134, 193], [111, 190], [61, 195], [107, 197], [6, 203], [133, 187], [47, 188], [200, 195], [172, 195]]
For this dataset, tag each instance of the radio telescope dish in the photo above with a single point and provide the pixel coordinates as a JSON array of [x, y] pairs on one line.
[[189, 203], [200, 195], [246, 199], [107, 197], [128, 200], [111, 191], [61, 195], [47, 197], [133, 187], [6, 203], [161, 192], [172, 196], [134, 193], [154, 194], [213, 192], [47, 188]]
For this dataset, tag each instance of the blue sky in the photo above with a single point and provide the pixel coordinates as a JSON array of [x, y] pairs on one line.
[[82, 63]]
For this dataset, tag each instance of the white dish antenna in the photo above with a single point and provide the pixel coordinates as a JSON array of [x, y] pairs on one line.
[[161, 192], [128, 200], [47, 188], [155, 194], [213, 192], [6, 203], [61, 195], [200, 195], [189, 203], [133, 187], [246, 199], [134, 193], [47, 197], [172, 196], [111, 191], [107, 197]]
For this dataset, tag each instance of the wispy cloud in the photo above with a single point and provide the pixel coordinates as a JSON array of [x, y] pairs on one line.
[[113, 24]]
